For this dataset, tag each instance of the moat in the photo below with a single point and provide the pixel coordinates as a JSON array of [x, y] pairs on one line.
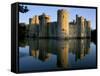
[[52, 54]]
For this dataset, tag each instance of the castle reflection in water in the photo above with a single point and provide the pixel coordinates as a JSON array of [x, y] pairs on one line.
[[43, 49]]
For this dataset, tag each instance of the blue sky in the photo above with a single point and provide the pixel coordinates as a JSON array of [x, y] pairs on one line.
[[89, 14]]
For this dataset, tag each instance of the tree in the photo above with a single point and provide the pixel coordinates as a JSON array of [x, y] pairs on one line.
[[23, 9]]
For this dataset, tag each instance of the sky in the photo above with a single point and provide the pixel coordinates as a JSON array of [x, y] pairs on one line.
[[89, 14]]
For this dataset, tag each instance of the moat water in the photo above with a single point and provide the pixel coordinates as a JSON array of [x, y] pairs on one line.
[[51, 54]]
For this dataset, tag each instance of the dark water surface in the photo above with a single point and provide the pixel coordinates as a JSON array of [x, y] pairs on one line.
[[51, 54]]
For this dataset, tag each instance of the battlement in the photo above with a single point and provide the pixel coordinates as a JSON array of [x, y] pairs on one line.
[[62, 28]]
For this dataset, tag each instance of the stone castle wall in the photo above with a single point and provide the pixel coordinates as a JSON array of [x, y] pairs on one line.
[[41, 26]]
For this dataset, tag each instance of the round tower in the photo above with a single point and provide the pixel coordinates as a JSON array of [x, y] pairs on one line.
[[43, 29], [30, 20], [36, 20], [63, 23], [89, 29], [89, 24], [82, 27]]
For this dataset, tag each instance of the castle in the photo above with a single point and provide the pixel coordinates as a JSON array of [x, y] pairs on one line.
[[41, 26]]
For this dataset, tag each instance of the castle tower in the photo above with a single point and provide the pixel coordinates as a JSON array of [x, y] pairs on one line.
[[30, 19], [33, 28], [44, 19], [48, 27], [76, 18], [63, 23], [88, 29], [89, 24], [35, 20], [80, 26], [85, 25]]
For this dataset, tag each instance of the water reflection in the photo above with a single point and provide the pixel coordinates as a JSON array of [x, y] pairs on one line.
[[64, 54]]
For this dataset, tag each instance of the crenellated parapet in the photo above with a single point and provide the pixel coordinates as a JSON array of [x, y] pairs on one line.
[[62, 28]]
